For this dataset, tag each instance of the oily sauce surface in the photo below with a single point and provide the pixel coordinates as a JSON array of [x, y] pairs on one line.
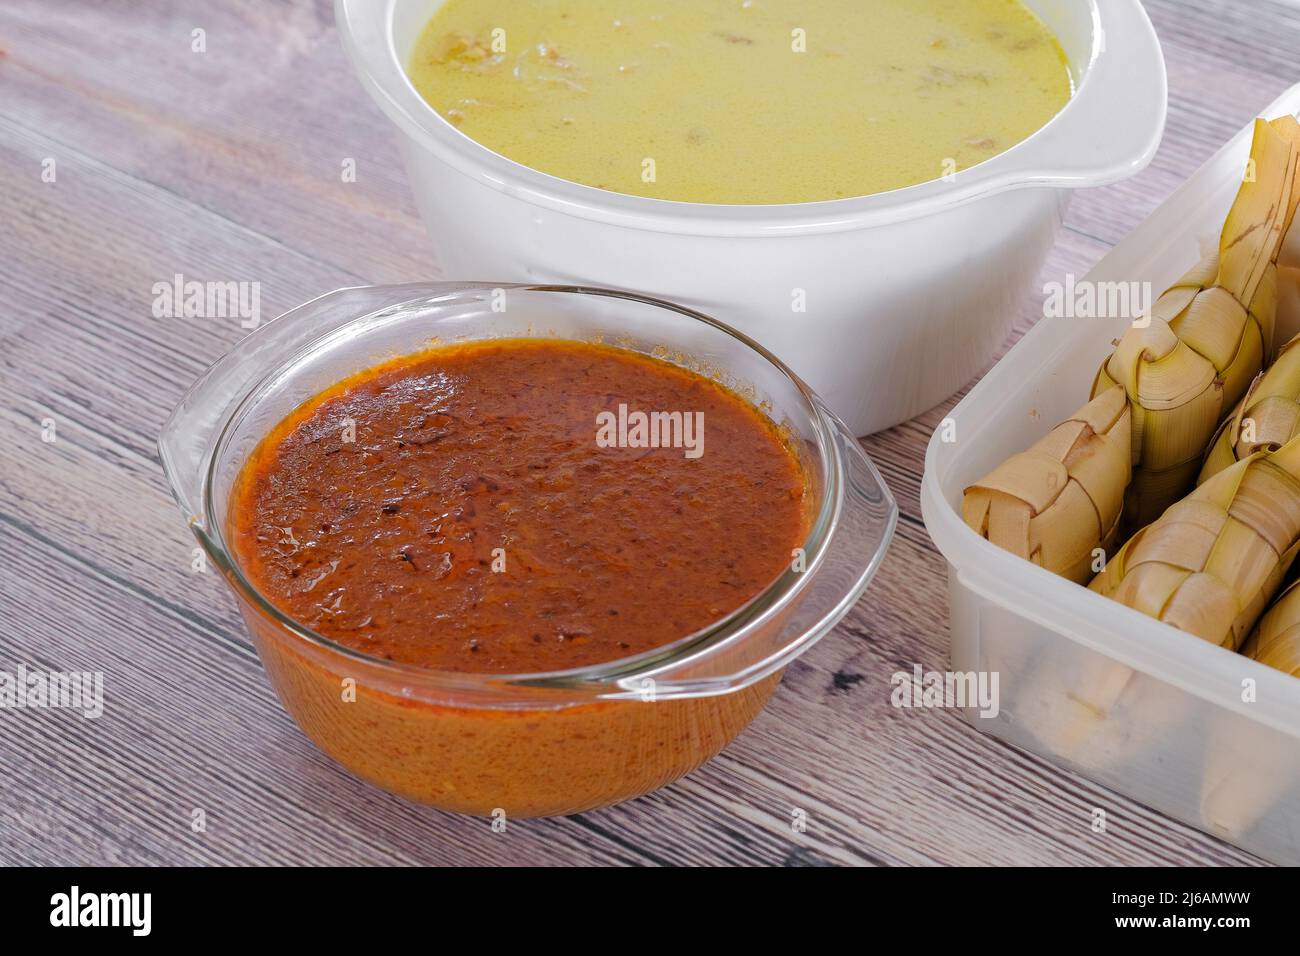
[[388, 543]]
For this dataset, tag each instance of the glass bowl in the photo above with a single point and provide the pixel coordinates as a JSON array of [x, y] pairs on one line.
[[532, 744]]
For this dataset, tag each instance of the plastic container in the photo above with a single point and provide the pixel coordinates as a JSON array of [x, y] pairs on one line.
[[542, 743], [909, 293], [1180, 737]]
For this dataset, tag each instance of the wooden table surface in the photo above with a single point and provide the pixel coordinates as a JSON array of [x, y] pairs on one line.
[[225, 165]]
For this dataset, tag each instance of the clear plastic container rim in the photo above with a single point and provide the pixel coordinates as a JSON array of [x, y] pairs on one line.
[[1088, 619]]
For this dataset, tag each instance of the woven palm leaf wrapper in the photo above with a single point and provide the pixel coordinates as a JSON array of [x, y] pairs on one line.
[[1208, 566], [1250, 771], [1276, 641], [1266, 419], [1056, 504], [1288, 286], [1213, 561], [1209, 335], [1060, 500]]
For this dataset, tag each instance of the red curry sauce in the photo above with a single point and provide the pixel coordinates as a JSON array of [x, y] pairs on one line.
[[454, 509]]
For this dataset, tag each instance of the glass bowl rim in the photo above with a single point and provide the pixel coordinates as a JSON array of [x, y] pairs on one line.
[[727, 631]]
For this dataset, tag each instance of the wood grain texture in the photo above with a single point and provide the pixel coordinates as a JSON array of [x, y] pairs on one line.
[[226, 165]]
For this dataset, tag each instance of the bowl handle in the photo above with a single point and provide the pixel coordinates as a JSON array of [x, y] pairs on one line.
[[861, 532], [187, 440], [1092, 142]]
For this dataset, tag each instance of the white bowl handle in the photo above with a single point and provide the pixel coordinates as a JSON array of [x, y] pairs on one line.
[[1128, 68]]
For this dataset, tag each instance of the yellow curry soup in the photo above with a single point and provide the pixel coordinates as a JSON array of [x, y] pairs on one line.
[[761, 101]]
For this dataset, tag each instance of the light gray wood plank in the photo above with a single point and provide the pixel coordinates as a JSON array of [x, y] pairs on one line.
[[225, 166]]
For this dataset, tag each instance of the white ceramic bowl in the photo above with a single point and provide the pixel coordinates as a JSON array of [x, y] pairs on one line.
[[908, 293]]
